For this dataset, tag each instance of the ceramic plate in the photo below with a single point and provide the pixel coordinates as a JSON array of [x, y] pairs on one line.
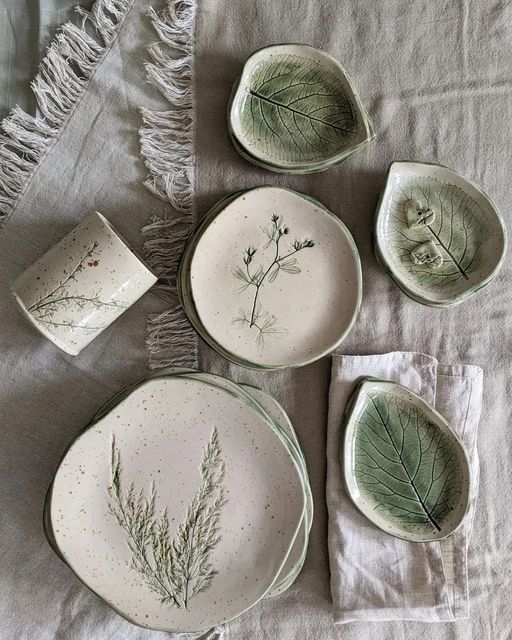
[[295, 560], [295, 109], [274, 279], [405, 468], [179, 506], [437, 234]]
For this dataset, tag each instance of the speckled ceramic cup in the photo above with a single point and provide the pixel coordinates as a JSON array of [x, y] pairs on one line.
[[81, 285]]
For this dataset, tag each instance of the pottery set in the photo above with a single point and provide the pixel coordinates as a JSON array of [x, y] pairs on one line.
[[191, 489]]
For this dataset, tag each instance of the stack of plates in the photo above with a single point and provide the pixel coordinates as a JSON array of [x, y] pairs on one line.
[[184, 502], [294, 109], [271, 279]]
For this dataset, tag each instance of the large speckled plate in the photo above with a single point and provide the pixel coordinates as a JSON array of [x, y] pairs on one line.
[[179, 506], [294, 109], [272, 280], [437, 234], [405, 468]]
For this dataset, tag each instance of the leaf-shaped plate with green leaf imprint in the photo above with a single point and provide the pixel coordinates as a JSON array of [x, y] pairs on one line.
[[294, 109], [405, 468], [179, 506], [437, 234]]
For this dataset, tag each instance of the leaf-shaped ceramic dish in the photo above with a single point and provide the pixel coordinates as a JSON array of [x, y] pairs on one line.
[[294, 109], [405, 468], [437, 234]]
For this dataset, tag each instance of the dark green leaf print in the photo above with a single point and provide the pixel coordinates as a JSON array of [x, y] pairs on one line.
[[405, 465], [296, 110], [442, 248]]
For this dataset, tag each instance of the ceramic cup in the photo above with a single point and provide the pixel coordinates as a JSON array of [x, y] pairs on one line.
[[81, 285]]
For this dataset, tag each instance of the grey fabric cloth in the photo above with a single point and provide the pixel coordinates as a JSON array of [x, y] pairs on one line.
[[26, 29], [436, 78]]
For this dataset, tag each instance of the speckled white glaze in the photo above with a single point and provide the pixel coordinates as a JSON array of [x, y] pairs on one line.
[[312, 308], [82, 284], [161, 429]]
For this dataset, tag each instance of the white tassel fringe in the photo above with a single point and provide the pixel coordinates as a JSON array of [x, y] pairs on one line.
[[63, 76], [167, 145]]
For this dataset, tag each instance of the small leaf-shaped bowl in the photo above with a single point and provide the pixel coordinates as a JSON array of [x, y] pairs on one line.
[[295, 110], [405, 468], [437, 234]]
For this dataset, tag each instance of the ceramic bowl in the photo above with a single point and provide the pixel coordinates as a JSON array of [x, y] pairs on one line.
[[81, 285], [294, 109], [405, 468], [300, 265], [437, 234]]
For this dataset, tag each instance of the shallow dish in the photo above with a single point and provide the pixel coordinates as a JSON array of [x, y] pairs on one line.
[[405, 468], [294, 109], [437, 234], [174, 449], [273, 279]]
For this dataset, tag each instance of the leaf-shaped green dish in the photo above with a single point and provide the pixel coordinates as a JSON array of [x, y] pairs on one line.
[[437, 234], [294, 109], [405, 468]]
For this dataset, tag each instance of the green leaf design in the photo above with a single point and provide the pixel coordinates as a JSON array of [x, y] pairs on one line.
[[296, 110], [457, 230], [177, 567], [405, 465]]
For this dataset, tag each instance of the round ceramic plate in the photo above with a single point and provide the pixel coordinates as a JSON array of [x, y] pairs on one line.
[[274, 278], [405, 468], [179, 507], [280, 421], [295, 109], [437, 234]]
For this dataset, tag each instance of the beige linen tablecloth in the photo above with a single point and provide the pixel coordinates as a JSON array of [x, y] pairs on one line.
[[437, 80]]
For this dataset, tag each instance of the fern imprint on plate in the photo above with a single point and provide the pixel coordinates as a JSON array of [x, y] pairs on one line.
[[175, 567], [263, 322]]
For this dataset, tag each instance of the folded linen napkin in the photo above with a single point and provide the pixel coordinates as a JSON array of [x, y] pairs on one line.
[[374, 576]]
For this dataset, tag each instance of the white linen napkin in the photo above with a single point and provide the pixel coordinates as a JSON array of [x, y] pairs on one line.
[[374, 576]]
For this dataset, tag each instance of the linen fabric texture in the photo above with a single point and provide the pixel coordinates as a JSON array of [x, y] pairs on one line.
[[437, 81]]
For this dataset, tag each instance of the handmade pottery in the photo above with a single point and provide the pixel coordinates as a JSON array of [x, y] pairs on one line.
[[294, 109], [177, 450], [82, 284], [280, 421], [294, 291], [437, 234], [405, 468]]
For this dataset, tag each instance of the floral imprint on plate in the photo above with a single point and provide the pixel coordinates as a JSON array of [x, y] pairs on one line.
[[254, 317], [58, 306], [178, 567]]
